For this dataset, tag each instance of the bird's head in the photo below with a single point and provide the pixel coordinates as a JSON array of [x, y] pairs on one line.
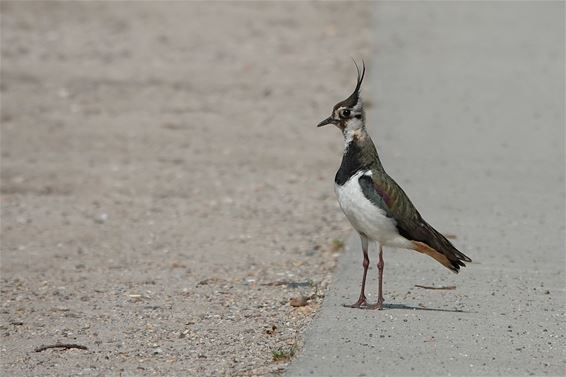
[[348, 115]]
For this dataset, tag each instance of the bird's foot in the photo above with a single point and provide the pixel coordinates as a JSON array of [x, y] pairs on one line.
[[360, 304], [377, 306]]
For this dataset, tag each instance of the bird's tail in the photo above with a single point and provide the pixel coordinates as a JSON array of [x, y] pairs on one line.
[[442, 250]]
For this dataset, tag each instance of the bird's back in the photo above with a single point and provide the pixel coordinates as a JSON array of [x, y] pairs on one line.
[[409, 221]]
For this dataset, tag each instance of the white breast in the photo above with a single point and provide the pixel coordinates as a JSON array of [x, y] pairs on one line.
[[364, 216]]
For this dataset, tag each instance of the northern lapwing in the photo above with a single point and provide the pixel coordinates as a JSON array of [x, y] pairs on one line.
[[374, 203]]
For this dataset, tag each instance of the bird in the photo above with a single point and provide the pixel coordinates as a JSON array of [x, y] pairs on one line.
[[375, 205]]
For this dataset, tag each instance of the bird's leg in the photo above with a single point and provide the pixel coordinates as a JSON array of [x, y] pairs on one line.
[[362, 302], [380, 265]]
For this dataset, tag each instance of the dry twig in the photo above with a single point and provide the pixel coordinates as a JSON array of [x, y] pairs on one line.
[[448, 287], [60, 345]]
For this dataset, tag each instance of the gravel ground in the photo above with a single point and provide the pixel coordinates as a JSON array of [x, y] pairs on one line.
[[164, 190]]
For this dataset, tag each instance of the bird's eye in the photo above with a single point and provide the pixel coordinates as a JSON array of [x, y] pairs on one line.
[[345, 113]]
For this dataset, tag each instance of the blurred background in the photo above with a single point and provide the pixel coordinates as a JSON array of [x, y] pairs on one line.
[[165, 192]]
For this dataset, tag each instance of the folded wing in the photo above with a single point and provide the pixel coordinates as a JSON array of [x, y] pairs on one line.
[[384, 192]]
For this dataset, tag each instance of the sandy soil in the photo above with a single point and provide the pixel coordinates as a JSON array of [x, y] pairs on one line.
[[164, 190]]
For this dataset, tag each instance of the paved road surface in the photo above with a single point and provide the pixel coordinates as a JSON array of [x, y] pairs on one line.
[[469, 118]]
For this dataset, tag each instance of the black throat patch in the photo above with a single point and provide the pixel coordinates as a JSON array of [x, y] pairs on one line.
[[351, 163]]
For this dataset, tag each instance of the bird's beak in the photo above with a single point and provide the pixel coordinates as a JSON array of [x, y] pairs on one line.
[[328, 120]]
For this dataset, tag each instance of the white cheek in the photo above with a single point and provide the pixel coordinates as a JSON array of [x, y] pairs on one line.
[[354, 124]]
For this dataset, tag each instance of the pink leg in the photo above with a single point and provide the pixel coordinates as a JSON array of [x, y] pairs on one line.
[[362, 300], [380, 265]]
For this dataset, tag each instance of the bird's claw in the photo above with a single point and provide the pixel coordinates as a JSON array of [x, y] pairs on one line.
[[376, 306], [360, 304], [363, 304]]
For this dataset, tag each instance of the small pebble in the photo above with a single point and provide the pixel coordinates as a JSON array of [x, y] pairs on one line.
[[298, 301]]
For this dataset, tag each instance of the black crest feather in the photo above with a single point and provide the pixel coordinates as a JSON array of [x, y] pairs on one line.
[[353, 99]]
